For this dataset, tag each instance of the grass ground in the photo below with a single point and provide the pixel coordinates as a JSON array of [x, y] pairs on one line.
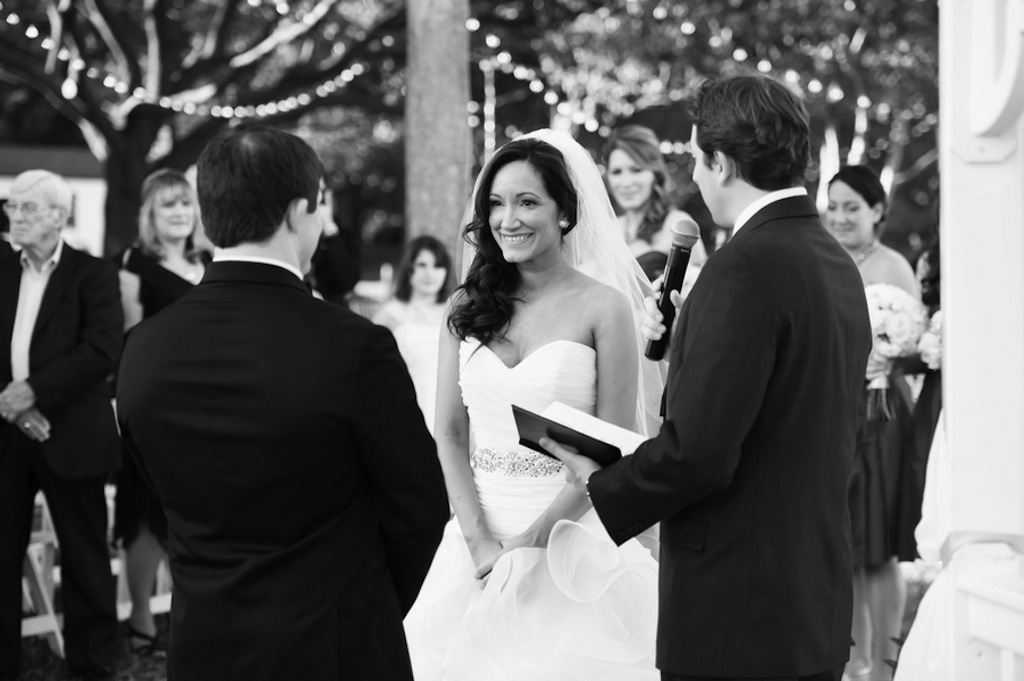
[[40, 664]]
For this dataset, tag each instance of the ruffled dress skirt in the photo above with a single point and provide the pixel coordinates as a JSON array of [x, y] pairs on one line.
[[582, 608]]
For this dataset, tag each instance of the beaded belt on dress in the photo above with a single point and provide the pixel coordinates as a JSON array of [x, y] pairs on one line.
[[514, 464]]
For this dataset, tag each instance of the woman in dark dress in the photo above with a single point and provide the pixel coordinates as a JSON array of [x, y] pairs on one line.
[[164, 264], [926, 412], [856, 213]]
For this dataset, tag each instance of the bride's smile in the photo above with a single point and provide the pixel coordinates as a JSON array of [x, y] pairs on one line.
[[514, 238]]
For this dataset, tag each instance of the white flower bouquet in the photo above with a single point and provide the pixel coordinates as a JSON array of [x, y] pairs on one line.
[[898, 321], [930, 345]]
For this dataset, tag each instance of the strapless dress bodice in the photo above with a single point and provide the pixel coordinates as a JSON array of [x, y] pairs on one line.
[[558, 371]]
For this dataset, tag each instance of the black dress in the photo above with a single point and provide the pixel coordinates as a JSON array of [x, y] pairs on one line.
[[136, 503], [877, 484], [915, 463]]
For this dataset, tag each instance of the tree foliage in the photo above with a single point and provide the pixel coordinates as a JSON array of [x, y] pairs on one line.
[[150, 83], [868, 71]]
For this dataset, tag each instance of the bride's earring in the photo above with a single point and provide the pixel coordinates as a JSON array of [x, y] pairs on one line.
[[563, 224]]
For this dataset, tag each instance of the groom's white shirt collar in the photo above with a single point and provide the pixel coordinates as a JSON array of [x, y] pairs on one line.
[[218, 256], [777, 195]]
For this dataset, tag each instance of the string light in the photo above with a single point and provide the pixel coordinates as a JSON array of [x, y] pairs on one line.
[[503, 61], [70, 88]]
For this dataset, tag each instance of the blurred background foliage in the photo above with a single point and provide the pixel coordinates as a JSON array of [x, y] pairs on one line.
[[146, 85]]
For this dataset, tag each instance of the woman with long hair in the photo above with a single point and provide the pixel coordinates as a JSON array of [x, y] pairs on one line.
[[415, 314], [639, 184], [167, 260], [526, 584]]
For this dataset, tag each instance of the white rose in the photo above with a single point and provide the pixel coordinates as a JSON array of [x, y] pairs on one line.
[[901, 330]]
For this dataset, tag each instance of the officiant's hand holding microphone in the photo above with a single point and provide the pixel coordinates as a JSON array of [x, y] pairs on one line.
[[660, 311], [661, 308]]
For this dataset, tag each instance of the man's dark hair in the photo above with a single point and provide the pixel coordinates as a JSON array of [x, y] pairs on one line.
[[247, 178], [758, 123]]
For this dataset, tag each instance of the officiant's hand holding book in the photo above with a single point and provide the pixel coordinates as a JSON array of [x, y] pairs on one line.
[[584, 443]]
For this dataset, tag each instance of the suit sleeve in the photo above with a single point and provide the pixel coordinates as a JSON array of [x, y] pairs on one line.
[[94, 353], [400, 458], [721, 364]]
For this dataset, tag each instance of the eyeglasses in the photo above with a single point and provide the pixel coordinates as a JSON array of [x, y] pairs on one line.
[[27, 209]]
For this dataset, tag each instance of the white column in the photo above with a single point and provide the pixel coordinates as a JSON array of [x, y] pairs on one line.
[[982, 231]]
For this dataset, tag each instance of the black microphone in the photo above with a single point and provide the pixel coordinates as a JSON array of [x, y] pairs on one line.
[[685, 234]]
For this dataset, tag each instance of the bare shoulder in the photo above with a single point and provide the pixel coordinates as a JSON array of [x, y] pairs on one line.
[[391, 314], [892, 258], [600, 299], [890, 267]]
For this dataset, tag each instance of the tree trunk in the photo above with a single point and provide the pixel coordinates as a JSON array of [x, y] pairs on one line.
[[438, 144], [126, 168], [125, 173]]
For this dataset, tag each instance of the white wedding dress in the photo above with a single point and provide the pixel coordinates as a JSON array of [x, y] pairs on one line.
[[580, 609], [417, 331]]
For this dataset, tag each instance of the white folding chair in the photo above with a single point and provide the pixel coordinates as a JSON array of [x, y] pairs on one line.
[[37, 580]]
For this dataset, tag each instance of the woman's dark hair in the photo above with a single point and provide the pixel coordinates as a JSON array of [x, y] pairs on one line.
[[930, 282], [485, 305], [247, 179], [403, 274], [758, 123], [642, 145], [865, 182]]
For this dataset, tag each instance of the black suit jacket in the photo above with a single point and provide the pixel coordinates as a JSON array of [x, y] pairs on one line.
[[302, 489], [75, 345], [749, 472]]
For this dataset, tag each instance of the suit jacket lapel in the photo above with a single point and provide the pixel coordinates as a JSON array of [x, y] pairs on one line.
[[59, 280]]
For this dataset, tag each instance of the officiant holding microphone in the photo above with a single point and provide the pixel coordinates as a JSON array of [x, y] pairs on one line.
[[748, 475]]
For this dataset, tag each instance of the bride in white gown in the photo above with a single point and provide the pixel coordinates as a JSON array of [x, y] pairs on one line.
[[526, 583]]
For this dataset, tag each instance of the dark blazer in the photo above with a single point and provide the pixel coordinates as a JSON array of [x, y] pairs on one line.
[[75, 345], [302, 489], [749, 472]]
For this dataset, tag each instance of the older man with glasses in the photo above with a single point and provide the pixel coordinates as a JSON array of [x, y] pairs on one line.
[[61, 329]]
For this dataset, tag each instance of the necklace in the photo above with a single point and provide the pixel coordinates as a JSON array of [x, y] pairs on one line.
[[868, 252], [190, 272]]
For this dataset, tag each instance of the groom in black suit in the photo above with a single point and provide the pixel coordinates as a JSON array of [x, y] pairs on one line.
[[748, 475], [281, 434]]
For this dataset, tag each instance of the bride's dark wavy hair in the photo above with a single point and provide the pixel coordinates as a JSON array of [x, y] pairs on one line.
[[485, 300]]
